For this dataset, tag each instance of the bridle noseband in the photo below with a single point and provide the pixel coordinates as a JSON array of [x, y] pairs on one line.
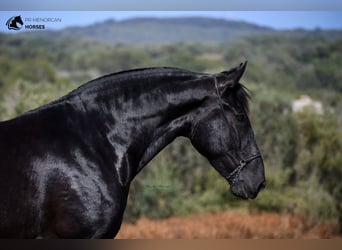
[[232, 178]]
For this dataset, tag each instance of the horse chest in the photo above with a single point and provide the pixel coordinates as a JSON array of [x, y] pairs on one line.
[[80, 204]]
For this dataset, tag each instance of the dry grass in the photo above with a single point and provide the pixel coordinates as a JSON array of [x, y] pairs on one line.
[[231, 224]]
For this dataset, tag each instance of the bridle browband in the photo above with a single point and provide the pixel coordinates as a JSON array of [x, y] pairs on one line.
[[234, 175]]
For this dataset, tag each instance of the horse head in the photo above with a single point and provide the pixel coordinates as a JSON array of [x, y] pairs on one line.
[[222, 132]]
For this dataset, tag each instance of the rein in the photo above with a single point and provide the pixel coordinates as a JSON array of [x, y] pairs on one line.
[[234, 175]]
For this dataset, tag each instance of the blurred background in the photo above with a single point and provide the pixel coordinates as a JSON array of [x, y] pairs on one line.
[[294, 75]]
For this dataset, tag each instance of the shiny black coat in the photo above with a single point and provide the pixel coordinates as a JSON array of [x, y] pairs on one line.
[[66, 167]]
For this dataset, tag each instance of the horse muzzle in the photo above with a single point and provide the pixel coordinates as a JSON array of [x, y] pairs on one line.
[[243, 191], [248, 179]]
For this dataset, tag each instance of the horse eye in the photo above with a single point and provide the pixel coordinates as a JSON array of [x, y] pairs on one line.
[[240, 117]]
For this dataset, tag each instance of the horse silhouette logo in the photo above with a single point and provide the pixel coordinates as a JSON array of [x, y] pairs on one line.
[[15, 23]]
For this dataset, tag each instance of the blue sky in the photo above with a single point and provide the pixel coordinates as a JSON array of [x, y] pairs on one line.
[[274, 19], [171, 5]]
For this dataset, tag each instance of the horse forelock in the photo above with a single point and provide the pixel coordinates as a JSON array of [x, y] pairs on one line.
[[243, 96], [239, 96]]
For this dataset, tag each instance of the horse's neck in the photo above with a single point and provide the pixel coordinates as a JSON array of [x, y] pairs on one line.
[[173, 116], [138, 126]]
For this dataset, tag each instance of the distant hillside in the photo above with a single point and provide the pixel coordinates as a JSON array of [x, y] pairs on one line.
[[171, 30], [163, 30], [167, 30]]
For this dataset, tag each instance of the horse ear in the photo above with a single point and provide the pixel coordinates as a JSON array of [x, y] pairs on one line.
[[239, 72], [232, 77]]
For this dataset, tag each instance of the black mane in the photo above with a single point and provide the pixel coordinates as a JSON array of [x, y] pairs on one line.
[[240, 94], [139, 73]]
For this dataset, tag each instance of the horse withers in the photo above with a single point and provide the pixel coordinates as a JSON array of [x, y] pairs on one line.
[[66, 167]]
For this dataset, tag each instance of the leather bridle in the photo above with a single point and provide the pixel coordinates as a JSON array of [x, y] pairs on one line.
[[232, 178]]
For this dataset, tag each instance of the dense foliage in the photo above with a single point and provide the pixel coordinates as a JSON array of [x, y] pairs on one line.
[[302, 151]]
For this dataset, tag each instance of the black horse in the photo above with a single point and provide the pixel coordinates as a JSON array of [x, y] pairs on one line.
[[66, 167]]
